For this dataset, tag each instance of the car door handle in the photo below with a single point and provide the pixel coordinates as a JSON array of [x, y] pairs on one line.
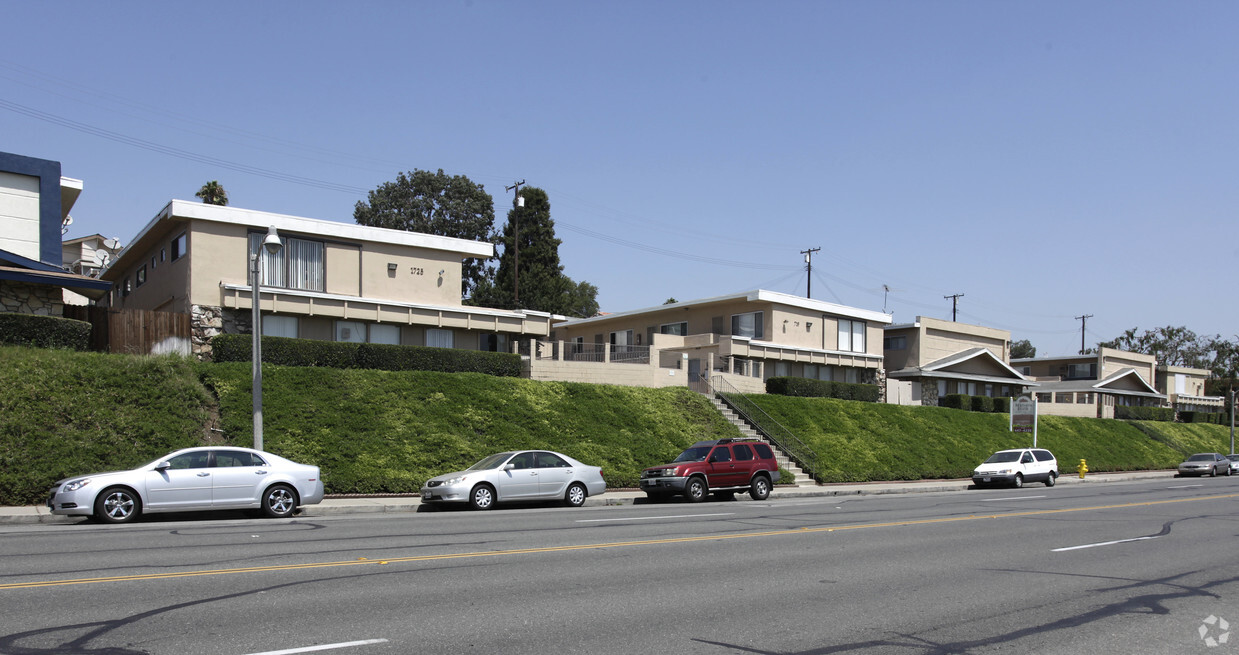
[[260, 472], [203, 474]]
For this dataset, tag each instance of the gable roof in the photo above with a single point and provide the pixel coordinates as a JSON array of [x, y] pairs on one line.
[[756, 295], [1126, 382], [967, 365]]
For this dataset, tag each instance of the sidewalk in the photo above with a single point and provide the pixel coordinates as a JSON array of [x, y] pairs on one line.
[[404, 504]]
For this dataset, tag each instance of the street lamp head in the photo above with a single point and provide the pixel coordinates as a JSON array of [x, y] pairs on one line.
[[272, 243]]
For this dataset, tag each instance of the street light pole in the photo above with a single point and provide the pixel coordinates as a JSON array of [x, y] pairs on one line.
[[272, 245]]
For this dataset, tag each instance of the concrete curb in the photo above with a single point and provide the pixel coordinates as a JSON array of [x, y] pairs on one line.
[[38, 514]]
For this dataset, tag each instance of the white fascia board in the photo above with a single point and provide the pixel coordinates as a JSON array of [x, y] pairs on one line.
[[815, 351], [335, 229], [972, 353], [751, 296], [1125, 373], [457, 309]]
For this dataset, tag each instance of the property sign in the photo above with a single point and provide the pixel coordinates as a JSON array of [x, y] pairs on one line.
[[1024, 416]]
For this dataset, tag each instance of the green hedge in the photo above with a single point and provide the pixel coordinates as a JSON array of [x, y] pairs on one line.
[[44, 331], [806, 388], [983, 404], [956, 401], [1217, 418], [1144, 413], [334, 354], [1002, 405]]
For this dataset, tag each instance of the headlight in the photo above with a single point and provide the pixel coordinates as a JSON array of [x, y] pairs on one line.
[[75, 485], [1005, 472], [668, 472], [456, 480]]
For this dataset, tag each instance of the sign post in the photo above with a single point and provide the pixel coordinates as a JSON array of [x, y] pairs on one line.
[[1024, 416]]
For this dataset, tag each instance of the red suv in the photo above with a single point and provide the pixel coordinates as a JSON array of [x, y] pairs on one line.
[[723, 467]]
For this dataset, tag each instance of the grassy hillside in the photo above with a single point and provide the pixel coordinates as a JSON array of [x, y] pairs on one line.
[[869, 441], [64, 413]]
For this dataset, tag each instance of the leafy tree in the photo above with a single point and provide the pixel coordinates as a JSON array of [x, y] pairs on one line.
[[530, 275], [670, 301], [1172, 346], [435, 203], [1022, 349], [212, 193]]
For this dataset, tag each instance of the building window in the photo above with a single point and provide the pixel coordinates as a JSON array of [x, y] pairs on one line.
[[782, 369], [141, 275], [747, 325], [1043, 397], [674, 328], [493, 343], [152, 263], [438, 338], [126, 288], [1084, 398], [1081, 371], [621, 341], [279, 326], [298, 265], [179, 246], [350, 331], [383, 333], [1064, 397], [851, 336], [163, 254], [895, 343]]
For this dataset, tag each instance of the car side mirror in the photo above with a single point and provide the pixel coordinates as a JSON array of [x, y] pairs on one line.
[[509, 467], [163, 466]]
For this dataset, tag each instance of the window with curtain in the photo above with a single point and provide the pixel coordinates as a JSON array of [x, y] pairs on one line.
[[298, 265], [674, 328], [279, 326], [747, 325], [350, 331], [851, 336], [382, 333], [437, 338]]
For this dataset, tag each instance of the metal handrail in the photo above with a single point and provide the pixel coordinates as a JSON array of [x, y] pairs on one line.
[[797, 450]]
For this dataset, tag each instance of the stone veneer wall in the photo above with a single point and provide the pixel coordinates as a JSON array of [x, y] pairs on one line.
[[38, 299], [206, 321]]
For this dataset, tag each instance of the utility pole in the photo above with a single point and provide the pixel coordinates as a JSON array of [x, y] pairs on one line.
[[808, 260], [518, 202], [954, 304], [1083, 321]]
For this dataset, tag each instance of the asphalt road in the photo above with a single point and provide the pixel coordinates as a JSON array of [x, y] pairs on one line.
[[1136, 567]]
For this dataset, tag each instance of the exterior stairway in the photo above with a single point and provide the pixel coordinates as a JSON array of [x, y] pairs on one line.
[[799, 477]]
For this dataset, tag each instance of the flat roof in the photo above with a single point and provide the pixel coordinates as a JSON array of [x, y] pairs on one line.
[[756, 295]]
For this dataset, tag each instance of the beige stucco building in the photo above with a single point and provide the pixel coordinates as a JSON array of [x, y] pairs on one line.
[[1092, 385], [332, 281], [740, 339], [1184, 388], [931, 358]]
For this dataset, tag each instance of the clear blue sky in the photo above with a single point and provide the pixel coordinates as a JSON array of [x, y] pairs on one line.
[[1045, 159]]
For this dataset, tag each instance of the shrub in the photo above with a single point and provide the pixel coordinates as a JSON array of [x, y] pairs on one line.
[[1144, 413], [983, 404], [44, 331], [1217, 418], [956, 401], [1002, 405], [335, 354], [806, 388]]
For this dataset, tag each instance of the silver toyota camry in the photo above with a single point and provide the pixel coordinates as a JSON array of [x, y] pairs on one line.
[[517, 476], [192, 479]]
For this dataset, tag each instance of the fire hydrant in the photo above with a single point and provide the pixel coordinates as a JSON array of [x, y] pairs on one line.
[[1083, 468]]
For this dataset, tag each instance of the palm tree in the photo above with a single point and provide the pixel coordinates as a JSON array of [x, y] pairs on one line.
[[212, 193]]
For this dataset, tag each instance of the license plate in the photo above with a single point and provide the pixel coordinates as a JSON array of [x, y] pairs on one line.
[[985, 479], [426, 495]]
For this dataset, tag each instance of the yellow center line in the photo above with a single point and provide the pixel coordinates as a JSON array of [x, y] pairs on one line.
[[617, 544]]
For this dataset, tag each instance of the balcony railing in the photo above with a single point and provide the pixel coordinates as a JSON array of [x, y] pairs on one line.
[[586, 352]]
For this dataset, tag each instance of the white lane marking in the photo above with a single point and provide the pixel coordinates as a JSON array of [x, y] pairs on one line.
[[1104, 543], [648, 518], [1186, 486], [989, 500], [309, 649]]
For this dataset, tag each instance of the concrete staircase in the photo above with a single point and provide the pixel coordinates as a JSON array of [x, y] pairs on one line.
[[799, 477]]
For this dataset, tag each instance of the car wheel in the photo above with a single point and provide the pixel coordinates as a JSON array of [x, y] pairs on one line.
[[279, 501], [117, 505], [1049, 481], [1019, 480], [576, 495], [696, 490], [482, 497], [1213, 472], [760, 489]]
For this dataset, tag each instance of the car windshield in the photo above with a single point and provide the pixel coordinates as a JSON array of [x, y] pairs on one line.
[[998, 458], [1233, 458], [490, 462], [694, 454], [1201, 457]]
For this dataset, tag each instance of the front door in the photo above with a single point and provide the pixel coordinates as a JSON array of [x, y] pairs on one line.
[[722, 470], [519, 478], [186, 484]]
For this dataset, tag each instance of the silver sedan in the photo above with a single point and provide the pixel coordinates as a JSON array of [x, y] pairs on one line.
[[517, 476], [192, 479], [1205, 464]]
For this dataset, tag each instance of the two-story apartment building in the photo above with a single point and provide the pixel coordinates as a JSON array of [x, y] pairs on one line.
[[330, 280], [931, 358], [742, 338], [35, 201], [1184, 388], [1092, 385]]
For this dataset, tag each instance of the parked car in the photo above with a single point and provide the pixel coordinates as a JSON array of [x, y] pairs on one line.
[[189, 480], [517, 476], [1017, 466], [1205, 463], [1234, 463], [722, 467]]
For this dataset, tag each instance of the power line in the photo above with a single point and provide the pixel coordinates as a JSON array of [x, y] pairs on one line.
[[954, 304]]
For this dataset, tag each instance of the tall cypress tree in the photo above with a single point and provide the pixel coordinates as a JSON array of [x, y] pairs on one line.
[[530, 275]]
